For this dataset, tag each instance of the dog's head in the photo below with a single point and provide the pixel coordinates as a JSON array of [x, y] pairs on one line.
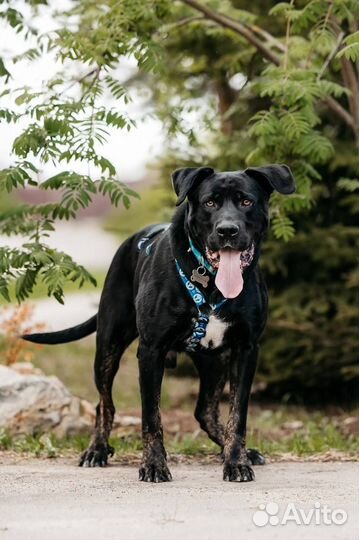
[[228, 211]]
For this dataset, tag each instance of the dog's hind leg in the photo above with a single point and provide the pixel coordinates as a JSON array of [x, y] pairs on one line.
[[154, 463], [111, 343], [237, 465], [106, 366], [213, 376]]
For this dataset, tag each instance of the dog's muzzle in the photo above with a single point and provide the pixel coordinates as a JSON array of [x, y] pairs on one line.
[[214, 257]]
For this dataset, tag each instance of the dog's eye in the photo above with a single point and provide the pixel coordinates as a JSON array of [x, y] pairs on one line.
[[246, 202], [210, 204]]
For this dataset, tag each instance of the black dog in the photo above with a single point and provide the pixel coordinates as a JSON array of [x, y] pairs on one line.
[[194, 286]]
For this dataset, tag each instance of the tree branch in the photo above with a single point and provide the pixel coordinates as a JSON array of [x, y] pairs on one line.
[[351, 82], [287, 32], [80, 79], [267, 36], [237, 27], [182, 22], [249, 35], [331, 55], [340, 111], [226, 97]]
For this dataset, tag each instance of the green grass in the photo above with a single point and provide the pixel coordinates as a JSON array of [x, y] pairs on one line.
[[45, 445], [314, 439], [192, 446]]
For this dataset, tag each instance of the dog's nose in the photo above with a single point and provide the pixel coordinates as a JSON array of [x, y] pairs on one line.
[[226, 229]]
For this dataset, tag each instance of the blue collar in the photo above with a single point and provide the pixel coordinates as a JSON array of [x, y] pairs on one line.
[[201, 260], [200, 327]]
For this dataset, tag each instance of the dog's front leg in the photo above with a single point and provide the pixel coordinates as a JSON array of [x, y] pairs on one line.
[[236, 463], [154, 466]]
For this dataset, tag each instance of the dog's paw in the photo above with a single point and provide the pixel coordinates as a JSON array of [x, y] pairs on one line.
[[154, 472], [96, 455], [255, 457], [236, 472]]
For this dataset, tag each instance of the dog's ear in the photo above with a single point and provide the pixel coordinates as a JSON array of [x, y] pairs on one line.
[[184, 180], [274, 177]]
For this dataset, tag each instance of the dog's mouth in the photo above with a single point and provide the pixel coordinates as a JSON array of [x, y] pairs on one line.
[[230, 264]]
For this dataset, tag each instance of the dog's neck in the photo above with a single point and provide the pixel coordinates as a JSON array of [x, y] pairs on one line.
[[179, 233]]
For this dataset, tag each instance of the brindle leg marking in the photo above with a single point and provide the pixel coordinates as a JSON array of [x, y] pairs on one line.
[[236, 465], [154, 463], [213, 376]]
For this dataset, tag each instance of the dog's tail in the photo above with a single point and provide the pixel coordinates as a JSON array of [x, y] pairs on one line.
[[64, 336]]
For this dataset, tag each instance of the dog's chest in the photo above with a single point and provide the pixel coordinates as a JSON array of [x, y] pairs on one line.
[[215, 331]]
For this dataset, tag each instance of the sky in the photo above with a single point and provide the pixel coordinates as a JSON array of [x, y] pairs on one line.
[[129, 151]]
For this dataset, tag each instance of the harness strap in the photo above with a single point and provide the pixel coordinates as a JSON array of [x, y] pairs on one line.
[[152, 233], [196, 295], [200, 327]]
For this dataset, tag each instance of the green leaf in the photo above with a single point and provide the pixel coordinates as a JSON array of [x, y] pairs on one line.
[[132, 193], [24, 284], [316, 147], [348, 184], [126, 202], [351, 50], [3, 71], [283, 228], [4, 291], [281, 8]]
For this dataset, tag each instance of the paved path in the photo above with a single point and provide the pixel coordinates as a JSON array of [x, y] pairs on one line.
[[54, 500]]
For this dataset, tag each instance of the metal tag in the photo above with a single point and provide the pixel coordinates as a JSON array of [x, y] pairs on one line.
[[198, 274]]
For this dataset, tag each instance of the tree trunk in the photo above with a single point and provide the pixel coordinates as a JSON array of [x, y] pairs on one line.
[[226, 97], [350, 79]]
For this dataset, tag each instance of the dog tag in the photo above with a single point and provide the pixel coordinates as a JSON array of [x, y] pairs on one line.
[[198, 274]]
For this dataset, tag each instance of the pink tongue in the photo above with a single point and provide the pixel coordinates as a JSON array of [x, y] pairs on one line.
[[229, 278]]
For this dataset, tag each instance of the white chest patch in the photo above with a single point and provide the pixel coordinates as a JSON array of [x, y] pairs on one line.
[[215, 332]]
